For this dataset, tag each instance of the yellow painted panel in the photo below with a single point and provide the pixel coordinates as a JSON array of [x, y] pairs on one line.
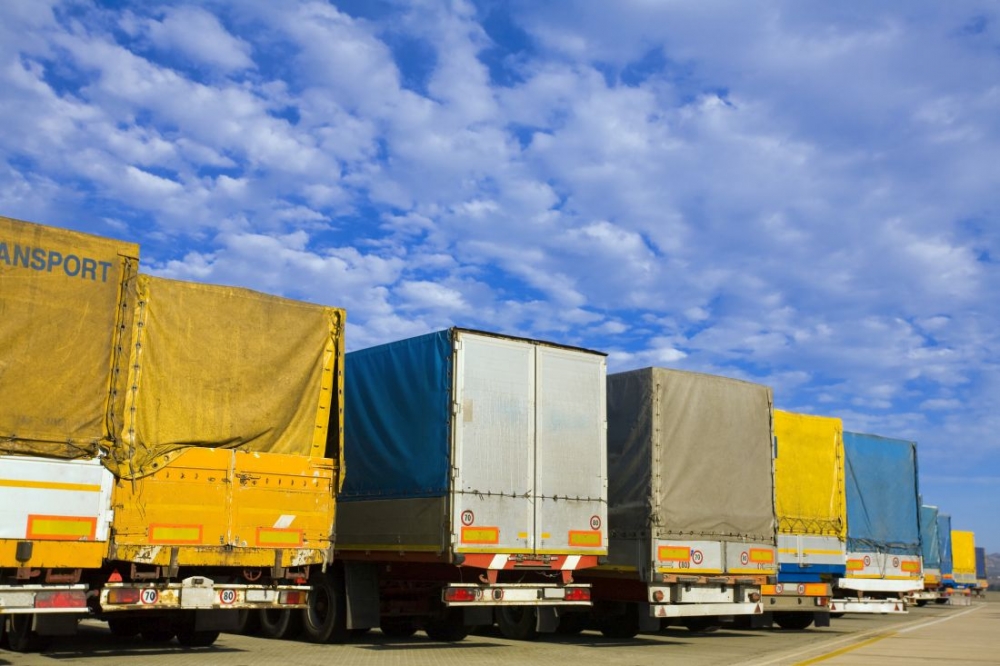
[[244, 504], [809, 475], [761, 556], [50, 485], [56, 554]]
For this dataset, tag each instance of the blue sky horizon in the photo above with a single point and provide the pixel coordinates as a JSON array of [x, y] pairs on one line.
[[800, 194]]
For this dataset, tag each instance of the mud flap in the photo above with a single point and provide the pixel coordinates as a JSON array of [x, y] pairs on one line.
[[478, 616], [216, 620], [361, 588], [821, 619], [54, 624], [548, 620], [647, 621]]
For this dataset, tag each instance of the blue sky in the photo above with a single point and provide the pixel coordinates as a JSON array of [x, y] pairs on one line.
[[803, 194]]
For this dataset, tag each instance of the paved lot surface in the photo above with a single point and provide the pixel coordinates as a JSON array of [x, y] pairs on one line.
[[966, 635]]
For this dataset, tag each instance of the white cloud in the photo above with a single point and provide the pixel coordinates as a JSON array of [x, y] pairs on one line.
[[195, 33]]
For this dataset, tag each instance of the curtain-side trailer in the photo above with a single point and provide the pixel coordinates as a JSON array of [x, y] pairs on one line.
[[883, 527], [691, 494], [930, 551], [477, 483], [149, 475], [810, 500]]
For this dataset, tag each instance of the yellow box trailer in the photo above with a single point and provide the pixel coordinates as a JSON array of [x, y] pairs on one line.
[[963, 554]]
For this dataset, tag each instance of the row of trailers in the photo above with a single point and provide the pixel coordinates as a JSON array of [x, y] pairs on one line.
[[181, 459]]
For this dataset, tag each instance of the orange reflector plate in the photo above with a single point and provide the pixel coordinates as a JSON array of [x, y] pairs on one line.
[[674, 553], [584, 538], [62, 528], [488, 535], [762, 555], [855, 565], [912, 567], [274, 536], [175, 534]]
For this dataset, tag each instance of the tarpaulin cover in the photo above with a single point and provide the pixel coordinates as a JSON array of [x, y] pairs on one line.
[[689, 455], [963, 552], [944, 542], [222, 367], [397, 419], [882, 502], [809, 475], [980, 562], [929, 544], [61, 300]]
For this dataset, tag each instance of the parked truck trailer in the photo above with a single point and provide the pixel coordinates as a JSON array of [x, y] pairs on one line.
[[883, 529], [691, 493], [930, 549], [812, 518], [982, 576], [477, 487], [157, 467]]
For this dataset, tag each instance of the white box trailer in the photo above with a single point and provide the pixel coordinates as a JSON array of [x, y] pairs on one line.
[[476, 479]]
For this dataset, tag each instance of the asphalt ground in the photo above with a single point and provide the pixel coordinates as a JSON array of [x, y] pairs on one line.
[[953, 635]]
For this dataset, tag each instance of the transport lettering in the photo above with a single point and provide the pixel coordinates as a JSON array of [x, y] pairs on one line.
[[40, 259]]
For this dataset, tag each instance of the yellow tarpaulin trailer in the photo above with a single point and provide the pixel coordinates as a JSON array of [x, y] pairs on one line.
[[963, 554]]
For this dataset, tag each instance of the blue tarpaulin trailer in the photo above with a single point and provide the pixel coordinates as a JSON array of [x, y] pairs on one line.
[[883, 524]]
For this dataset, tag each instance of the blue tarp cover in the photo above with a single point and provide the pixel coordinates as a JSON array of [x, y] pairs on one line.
[[980, 562], [944, 542], [882, 505], [397, 419], [930, 548]]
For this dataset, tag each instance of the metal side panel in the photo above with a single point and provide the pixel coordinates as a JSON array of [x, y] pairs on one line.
[[571, 484], [887, 566], [283, 501], [805, 550], [62, 506], [493, 452], [697, 558]]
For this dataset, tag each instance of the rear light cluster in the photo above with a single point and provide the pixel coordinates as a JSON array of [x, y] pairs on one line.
[[578, 594], [123, 595], [291, 597], [61, 599], [459, 594]]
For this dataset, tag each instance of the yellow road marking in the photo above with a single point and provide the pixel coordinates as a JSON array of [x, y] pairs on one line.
[[845, 650]]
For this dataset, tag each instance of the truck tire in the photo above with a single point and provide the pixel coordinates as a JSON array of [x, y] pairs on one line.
[[921, 603], [518, 623], [702, 625], [20, 636], [571, 624], [449, 627], [284, 624], [247, 622], [325, 621], [124, 627], [398, 627], [793, 621], [191, 638], [621, 625]]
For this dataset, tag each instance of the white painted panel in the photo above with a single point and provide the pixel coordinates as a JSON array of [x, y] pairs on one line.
[[51, 487]]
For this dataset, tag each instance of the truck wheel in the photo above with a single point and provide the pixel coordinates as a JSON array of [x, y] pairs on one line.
[[324, 621], [921, 603], [192, 638], [940, 601], [157, 630], [704, 624], [622, 625], [247, 622], [795, 621], [571, 624], [397, 627], [21, 637], [284, 624], [124, 627], [448, 627], [518, 623]]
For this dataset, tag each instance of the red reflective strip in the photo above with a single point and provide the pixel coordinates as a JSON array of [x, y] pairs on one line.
[[61, 599]]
